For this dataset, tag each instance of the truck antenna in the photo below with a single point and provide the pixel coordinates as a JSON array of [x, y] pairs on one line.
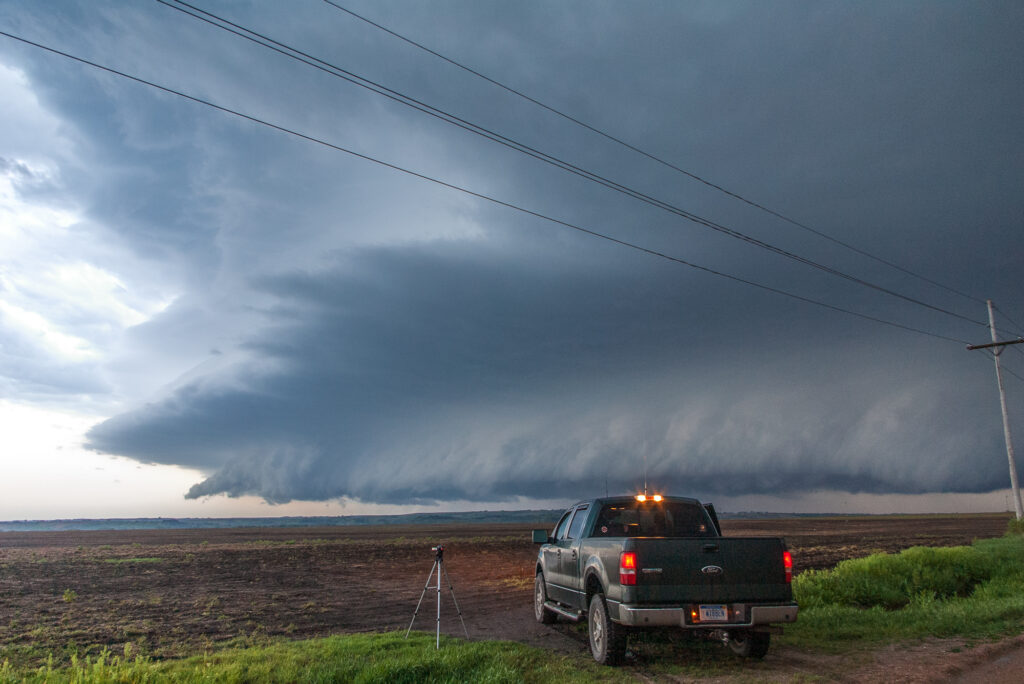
[[645, 472]]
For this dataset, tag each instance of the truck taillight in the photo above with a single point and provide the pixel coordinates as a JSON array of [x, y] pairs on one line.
[[787, 562], [627, 568]]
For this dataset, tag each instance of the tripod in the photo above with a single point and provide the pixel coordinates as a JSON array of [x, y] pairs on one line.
[[439, 567]]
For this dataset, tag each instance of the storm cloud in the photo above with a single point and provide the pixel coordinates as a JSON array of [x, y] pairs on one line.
[[299, 324], [423, 375]]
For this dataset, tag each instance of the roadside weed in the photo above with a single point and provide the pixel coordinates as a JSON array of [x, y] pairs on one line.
[[972, 591]]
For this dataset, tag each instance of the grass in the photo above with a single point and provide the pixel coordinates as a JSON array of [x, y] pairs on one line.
[[358, 658], [972, 591], [895, 581]]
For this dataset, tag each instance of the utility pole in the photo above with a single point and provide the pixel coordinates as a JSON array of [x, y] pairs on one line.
[[997, 348]]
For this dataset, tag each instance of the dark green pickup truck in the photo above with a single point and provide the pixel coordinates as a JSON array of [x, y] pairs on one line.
[[641, 562]]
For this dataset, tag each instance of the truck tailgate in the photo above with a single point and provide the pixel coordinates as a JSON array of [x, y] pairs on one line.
[[709, 570]]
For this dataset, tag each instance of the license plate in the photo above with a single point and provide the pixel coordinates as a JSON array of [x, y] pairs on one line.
[[714, 613]]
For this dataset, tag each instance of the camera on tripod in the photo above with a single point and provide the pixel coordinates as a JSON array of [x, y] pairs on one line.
[[439, 568]]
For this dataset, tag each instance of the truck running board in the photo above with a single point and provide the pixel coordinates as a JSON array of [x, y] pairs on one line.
[[573, 615]]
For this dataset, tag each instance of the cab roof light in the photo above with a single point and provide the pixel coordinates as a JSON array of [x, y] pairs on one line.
[[657, 497], [641, 497]]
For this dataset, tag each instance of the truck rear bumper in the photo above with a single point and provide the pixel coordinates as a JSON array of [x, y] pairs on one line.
[[678, 616]]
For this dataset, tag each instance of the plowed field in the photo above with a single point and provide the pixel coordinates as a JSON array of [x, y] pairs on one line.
[[176, 593]]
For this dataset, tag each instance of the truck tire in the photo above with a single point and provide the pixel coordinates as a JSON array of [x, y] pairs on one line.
[[540, 595], [607, 638], [750, 644]]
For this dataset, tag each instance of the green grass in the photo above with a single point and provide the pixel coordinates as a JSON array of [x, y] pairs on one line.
[[966, 591], [894, 581], [358, 658]]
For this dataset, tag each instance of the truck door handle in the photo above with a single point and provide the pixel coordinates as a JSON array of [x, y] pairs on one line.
[[710, 548], [574, 554], [559, 553]]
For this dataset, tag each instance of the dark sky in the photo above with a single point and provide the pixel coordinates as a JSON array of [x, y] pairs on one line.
[[299, 324]]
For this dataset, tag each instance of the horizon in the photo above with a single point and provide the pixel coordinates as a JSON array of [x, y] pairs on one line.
[[429, 519], [511, 511]]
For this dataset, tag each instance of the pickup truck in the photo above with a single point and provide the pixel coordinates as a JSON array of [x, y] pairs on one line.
[[661, 562]]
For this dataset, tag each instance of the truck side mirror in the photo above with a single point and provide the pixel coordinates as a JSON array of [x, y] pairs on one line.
[[540, 537]]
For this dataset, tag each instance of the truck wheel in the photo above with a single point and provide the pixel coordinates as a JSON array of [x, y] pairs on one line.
[[540, 595], [607, 639], [750, 644]]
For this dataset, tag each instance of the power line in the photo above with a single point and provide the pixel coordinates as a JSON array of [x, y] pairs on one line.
[[1012, 322], [472, 193], [1004, 368], [1016, 332], [653, 157], [334, 70]]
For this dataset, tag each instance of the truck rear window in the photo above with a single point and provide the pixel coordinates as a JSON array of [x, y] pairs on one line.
[[663, 519]]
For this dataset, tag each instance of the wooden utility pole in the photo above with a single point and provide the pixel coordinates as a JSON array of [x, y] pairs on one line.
[[997, 348]]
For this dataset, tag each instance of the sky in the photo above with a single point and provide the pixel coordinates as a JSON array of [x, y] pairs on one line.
[[240, 285]]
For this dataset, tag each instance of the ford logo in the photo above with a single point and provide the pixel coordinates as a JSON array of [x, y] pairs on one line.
[[711, 570]]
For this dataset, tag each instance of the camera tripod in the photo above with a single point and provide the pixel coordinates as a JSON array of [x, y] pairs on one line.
[[439, 567]]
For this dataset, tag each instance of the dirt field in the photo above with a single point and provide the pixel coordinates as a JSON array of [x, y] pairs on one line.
[[176, 593]]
